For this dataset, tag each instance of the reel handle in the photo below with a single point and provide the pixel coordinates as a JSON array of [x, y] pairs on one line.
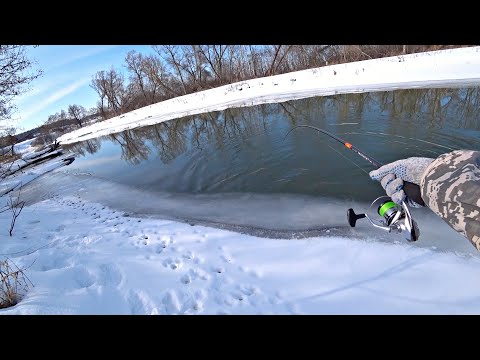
[[413, 192], [352, 217]]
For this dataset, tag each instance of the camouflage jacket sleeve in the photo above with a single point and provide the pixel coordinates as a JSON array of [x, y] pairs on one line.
[[450, 186]]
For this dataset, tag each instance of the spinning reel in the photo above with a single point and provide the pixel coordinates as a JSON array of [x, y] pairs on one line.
[[393, 218]]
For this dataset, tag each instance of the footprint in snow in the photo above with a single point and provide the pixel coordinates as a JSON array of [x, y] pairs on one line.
[[142, 241], [227, 258], [223, 299], [186, 279], [171, 302], [165, 240], [248, 290], [197, 305], [228, 300], [237, 295], [188, 255], [140, 303], [198, 273], [110, 275], [83, 277], [200, 294], [198, 260], [176, 249], [173, 264], [218, 269]]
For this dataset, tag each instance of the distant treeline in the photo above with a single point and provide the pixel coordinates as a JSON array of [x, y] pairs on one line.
[[175, 70]]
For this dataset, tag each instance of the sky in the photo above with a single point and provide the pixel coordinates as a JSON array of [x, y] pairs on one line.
[[67, 73], [85, 256]]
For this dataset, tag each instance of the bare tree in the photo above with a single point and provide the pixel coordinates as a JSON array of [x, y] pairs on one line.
[[15, 205], [257, 57], [109, 85], [8, 140], [192, 65], [134, 63], [214, 56], [173, 55], [14, 77], [77, 113]]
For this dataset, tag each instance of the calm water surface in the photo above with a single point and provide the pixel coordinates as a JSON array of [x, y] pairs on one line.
[[245, 150], [235, 169]]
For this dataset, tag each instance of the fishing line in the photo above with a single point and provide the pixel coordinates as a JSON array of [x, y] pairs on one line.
[[343, 142], [354, 163]]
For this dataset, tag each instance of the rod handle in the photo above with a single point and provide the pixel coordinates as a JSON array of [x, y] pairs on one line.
[[413, 192]]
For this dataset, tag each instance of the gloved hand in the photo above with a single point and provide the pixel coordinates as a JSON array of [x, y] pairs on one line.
[[392, 176]]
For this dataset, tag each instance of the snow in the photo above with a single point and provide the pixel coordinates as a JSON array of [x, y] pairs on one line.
[[84, 257], [31, 174], [24, 147], [20, 148]]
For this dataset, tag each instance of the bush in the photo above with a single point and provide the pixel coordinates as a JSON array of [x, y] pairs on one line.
[[13, 283]]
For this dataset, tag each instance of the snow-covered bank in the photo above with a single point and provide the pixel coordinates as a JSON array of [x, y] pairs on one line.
[[24, 147], [445, 68], [85, 258], [14, 182], [23, 172]]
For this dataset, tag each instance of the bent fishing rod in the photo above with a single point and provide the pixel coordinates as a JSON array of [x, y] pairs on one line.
[[395, 217]]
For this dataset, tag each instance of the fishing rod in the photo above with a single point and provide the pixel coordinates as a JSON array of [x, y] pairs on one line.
[[395, 217]]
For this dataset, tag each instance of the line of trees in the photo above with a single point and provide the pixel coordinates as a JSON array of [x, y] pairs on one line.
[[76, 116], [176, 70]]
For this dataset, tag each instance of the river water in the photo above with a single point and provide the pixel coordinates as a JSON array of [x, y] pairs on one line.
[[235, 168]]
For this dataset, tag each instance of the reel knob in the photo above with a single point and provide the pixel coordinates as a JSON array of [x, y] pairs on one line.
[[352, 217]]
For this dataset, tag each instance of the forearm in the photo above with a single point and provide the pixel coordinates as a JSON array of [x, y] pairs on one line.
[[450, 186]]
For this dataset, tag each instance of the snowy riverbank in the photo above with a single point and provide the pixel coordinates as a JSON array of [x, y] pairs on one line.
[[84, 257]]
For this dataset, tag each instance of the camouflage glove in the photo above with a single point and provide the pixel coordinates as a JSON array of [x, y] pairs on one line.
[[392, 176]]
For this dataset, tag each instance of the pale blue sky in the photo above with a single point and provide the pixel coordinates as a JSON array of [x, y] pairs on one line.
[[67, 73]]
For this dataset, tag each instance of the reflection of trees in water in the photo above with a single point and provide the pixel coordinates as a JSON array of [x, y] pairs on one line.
[[169, 139], [88, 146], [218, 127], [459, 107], [173, 138], [412, 104], [469, 108], [133, 146], [325, 109], [245, 122]]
